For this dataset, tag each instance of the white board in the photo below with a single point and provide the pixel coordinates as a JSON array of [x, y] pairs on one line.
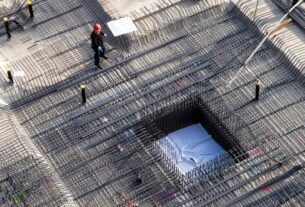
[[19, 73], [122, 26]]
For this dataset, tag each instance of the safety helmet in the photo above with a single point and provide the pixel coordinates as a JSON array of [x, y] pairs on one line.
[[97, 27]]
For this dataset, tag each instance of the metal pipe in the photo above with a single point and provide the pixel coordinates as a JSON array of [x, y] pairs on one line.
[[261, 44]]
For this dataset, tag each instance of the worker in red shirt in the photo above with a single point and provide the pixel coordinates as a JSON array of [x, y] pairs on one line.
[[97, 38]]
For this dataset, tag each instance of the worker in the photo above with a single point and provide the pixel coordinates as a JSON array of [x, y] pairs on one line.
[[97, 38]]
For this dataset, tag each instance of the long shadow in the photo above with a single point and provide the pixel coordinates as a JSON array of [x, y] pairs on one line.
[[78, 77], [118, 45]]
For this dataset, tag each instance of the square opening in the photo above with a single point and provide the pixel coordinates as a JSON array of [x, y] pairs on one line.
[[191, 136], [194, 114]]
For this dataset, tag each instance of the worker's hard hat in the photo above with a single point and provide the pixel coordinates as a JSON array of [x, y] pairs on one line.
[[97, 27]]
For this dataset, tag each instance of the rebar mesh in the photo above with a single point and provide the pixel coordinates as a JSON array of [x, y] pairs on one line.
[[10, 6], [105, 152], [26, 178]]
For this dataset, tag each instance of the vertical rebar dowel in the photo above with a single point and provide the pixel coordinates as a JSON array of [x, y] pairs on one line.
[[10, 76], [257, 88], [30, 6], [83, 92], [7, 27]]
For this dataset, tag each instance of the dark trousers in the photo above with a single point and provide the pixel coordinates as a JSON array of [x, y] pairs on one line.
[[97, 56]]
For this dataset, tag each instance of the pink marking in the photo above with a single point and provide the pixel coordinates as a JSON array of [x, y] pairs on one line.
[[268, 137], [255, 152], [267, 188], [48, 181], [300, 140], [219, 56], [178, 84]]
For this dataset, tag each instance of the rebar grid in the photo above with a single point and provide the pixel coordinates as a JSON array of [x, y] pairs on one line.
[[297, 15], [26, 178], [83, 141], [8, 7]]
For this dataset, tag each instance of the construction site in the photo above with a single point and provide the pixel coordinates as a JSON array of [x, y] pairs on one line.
[[200, 103]]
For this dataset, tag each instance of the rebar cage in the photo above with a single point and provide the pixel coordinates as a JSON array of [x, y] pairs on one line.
[[98, 152]]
